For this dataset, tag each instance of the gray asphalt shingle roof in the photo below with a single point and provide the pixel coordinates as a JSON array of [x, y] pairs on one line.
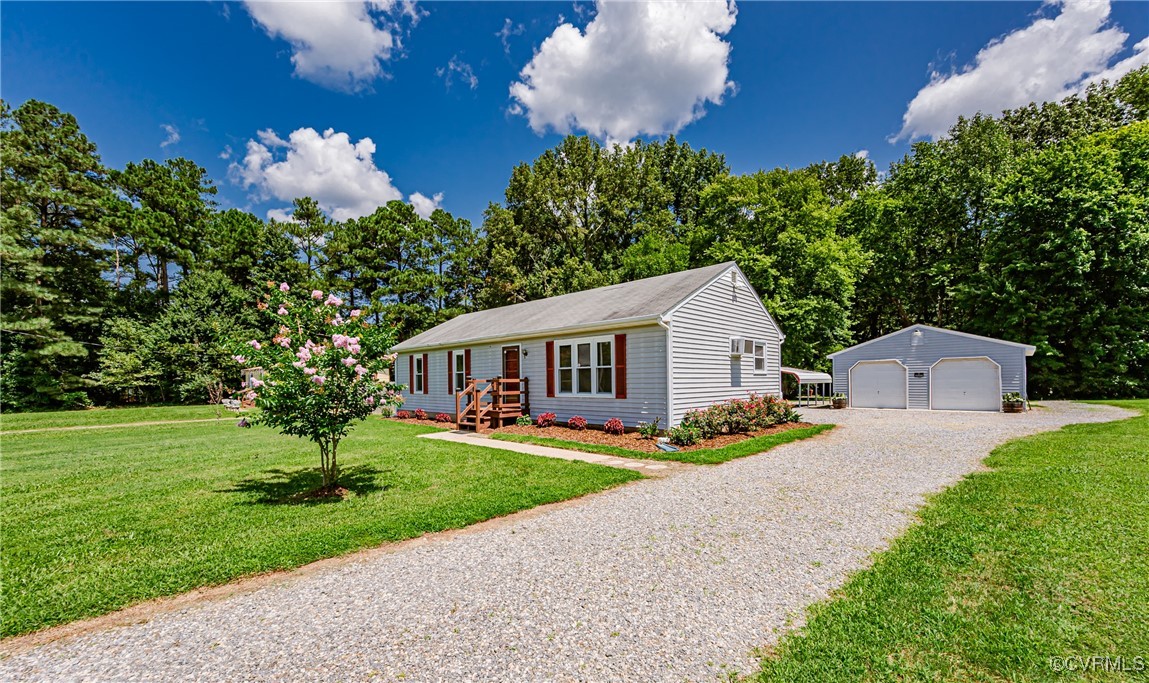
[[647, 298]]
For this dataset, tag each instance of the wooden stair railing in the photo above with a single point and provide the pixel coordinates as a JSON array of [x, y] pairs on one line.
[[504, 403]]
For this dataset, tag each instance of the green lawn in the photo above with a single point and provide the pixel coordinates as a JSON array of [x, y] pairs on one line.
[[105, 416], [1045, 556], [705, 456], [117, 516]]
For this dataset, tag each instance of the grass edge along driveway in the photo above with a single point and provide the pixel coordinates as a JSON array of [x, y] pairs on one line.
[[702, 456], [1020, 573], [121, 516]]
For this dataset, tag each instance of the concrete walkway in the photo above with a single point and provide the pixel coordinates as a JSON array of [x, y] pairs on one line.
[[654, 468]]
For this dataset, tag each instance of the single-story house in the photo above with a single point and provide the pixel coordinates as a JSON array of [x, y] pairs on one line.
[[931, 368], [652, 348]]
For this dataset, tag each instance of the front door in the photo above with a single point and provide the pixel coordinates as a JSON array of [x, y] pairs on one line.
[[511, 362]]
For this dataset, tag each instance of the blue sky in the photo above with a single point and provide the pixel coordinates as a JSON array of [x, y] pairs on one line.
[[766, 83]]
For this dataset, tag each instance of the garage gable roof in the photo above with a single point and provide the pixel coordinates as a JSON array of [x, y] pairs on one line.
[[1029, 350], [630, 302]]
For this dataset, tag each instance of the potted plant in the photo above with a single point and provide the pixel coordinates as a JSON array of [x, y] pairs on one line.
[[839, 401], [1012, 402]]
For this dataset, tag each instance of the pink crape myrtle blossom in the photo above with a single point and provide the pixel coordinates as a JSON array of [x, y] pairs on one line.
[[321, 386]]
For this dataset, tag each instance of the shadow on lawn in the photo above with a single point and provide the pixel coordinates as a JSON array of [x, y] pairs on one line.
[[296, 487]]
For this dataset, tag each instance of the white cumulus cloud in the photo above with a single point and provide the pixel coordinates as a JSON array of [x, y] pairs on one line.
[[339, 174], [637, 68], [424, 206], [1048, 60], [339, 45]]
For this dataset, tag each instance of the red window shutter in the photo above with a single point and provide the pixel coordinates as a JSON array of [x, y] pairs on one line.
[[467, 363], [450, 374], [550, 369], [411, 365], [620, 366], [426, 376]]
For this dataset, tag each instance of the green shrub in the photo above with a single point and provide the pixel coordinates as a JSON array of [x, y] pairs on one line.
[[739, 416], [649, 430], [524, 421], [75, 400], [683, 435]]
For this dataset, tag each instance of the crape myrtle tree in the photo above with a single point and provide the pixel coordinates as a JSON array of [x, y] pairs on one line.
[[320, 371]]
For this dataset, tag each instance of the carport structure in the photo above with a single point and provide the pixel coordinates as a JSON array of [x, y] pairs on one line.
[[931, 368], [813, 386]]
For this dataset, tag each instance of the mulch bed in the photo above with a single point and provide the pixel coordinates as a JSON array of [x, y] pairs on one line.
[[426, 423], [633, 441]]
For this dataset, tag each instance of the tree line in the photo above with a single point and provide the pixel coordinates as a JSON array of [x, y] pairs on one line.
[[1032, 225]]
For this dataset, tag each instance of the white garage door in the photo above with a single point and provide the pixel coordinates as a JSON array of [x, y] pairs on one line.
[[965, 384], [878, 384]]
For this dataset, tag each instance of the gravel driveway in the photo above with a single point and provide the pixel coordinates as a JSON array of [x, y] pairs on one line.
[[665, 580]]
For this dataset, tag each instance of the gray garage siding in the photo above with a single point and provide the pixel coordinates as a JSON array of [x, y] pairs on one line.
[[645, 378], [703, 370], [933, 345]]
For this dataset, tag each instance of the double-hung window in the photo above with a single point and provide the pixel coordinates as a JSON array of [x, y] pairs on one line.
[[420, 375], [586, 366], [460, 371], [759, 357]]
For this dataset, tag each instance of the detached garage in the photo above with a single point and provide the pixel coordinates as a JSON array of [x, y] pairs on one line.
[[930, 368]]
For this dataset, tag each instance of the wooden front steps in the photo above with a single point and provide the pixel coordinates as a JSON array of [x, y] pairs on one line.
[[491, 403]]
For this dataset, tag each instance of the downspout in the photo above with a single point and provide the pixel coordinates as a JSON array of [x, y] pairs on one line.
[[665, 324]]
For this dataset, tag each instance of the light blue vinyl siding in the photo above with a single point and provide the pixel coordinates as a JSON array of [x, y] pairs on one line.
[[704, 373], [933, 345], [645, 378]]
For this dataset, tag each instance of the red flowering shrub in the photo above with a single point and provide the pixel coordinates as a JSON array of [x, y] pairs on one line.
[[403, 414], [614, 426], [442, 417], [420, 414], [546, 420], [577, 422], [738, 416]]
